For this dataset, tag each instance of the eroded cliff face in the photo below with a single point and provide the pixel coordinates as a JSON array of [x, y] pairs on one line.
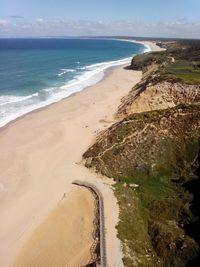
[[170, 78], [156, 96], [152, 152]]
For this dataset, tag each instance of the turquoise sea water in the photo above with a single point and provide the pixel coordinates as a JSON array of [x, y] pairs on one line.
[[37, 72]]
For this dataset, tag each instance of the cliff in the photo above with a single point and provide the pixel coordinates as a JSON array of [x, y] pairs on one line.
[[153, 154]]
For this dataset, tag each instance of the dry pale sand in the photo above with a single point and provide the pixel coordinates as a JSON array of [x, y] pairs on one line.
[[153, 46], [41, 155], [65, 237]]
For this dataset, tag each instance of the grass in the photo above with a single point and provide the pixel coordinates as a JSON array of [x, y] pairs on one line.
[[137, 207], [141, 61], [133, 229], [187, 72], [186, 67], [153, 215], [149, 216]]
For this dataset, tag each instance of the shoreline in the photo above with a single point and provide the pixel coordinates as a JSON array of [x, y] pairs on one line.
[[102, 74], [42, 155], [107, 73]]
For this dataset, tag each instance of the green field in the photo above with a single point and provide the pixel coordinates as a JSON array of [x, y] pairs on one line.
[[187, 72]]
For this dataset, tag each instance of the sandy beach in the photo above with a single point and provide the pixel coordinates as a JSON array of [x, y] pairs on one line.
[[41, 155], [49, 244]]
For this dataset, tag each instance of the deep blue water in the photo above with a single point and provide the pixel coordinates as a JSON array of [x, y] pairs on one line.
[[37, 72]]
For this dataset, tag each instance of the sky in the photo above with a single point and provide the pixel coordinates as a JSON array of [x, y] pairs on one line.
[[143, 18]]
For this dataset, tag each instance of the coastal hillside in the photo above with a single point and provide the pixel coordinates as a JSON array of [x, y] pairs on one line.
[[153, 154], [170, 78]]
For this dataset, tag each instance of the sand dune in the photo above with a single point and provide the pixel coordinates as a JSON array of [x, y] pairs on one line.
[[65, 237]]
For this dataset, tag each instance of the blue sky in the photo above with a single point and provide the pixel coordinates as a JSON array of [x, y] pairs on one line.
[[165, 18]]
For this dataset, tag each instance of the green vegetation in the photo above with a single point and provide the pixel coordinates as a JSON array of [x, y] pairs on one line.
[[133, 229], [150, 222], [181, 62], [185, 50], [187, 72], [154, 158], [139, 62], [151, 156], [138, 207]]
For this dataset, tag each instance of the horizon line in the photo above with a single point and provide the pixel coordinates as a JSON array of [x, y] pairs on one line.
[[98, 36]]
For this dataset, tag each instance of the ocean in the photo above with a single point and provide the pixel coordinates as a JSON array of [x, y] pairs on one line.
[[37, 72]]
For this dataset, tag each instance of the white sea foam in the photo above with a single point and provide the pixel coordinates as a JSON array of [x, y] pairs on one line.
[[20, 105], [7, 99], [64, 71]]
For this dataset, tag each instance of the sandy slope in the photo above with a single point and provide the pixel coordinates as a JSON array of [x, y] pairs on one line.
[[65, 237], [40, 157]]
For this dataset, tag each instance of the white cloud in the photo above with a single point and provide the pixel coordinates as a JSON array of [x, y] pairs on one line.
[[40, 20], [3, 23], [41, 27]]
